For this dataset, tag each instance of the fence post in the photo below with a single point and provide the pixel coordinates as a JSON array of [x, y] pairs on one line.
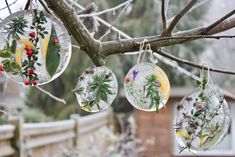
[[18, 140], [76, 117]]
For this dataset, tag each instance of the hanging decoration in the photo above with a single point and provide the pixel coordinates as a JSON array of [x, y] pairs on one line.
[[146, 85], [96, 89], [35, 48], [202, 118]]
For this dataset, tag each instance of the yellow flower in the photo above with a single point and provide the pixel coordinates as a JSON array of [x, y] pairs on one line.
[[181, 134], [201, 139]]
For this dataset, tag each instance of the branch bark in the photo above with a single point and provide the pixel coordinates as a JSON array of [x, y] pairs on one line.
[[132, 45], [74, 25], [179, 60], [164, 19], [178, 17]]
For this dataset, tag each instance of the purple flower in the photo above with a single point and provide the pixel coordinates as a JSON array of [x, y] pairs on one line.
[[135, 73]]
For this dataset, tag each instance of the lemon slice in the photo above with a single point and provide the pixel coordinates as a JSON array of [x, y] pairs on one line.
[[27, 42], [19, 55], [164, 82], [44, 46]]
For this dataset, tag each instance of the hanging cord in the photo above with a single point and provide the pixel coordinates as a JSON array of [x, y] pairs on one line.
[[144, 51], [151, 55], [141, 51], [8, 7]]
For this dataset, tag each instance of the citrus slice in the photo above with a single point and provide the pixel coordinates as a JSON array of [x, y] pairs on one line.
[[27, 42], [44, 46], [18, 55], [164, 81]]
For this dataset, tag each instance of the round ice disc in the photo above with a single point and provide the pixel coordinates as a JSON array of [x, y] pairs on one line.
[[96, 89], [35, 47], [147, 87]]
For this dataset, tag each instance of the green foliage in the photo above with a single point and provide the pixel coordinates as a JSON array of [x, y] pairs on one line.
[[152, 88], [53, 53], [102, 89], [16, 27], [9, 62]]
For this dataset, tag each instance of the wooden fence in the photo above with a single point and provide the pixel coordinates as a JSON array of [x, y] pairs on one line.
[[48, 139]]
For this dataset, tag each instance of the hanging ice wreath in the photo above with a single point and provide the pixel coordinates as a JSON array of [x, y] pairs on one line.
[[202, 118], [96, 89], [35, 48], [146, 85]]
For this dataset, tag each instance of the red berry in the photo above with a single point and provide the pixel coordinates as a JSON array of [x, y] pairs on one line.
[[27, 82], [31, 71], [29, 53], [27, 48], [35, 83], [32, 35], [199, 106], [56, 41], [127, 79], [1, 68]]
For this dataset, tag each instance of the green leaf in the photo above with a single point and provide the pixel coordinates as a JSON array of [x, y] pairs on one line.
[[53, 53], [13, 46]]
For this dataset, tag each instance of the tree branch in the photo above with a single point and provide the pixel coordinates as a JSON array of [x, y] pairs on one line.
[[179, 60], [132, 45], [74, 25], [164, 19], [216, 23], [107, 10], [178, 17], [8, 7]]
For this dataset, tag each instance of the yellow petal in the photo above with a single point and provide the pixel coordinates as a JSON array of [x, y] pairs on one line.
[[186, 134], [27, 42], [164, 82], [44, 46], [179, 133], [201, 139], [18, 55]]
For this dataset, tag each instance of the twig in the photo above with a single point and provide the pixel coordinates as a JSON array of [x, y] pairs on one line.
[[45, 7], [181, 70], [102, 21], [107, 10], [177, 18], [191, 37], [164, 18], [8, 7], [180, 60], [27, 5], [116, 20], [50, 95], [213, 25]]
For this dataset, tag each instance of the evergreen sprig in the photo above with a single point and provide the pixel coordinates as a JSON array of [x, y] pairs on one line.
[[100, 86], [152, 91], [16, 27]]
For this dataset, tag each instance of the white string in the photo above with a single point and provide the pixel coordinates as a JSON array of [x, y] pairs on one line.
[[141, 51]]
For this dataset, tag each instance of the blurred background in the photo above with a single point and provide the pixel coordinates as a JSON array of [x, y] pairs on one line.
[[122, 130]]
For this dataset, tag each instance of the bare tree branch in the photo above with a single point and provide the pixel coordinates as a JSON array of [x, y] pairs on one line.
[[50, 95], [107, 10], [179, 60], [74, 25], [192, 37], [45, 6], [8, 7], [163, 10], [178, 17], [132, 45], [216, 23]]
